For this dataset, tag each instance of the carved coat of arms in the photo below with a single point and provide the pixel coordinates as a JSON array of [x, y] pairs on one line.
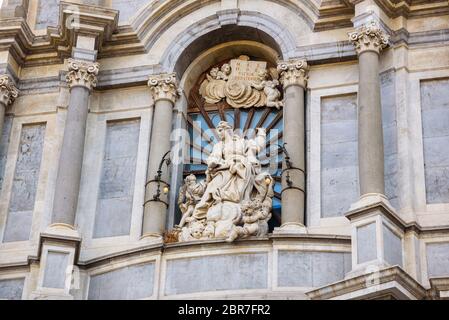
[[243, 84]]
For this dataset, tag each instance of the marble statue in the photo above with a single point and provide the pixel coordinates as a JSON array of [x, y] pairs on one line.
[[269, 87], [189, 195], [243, 84], [237, 197]]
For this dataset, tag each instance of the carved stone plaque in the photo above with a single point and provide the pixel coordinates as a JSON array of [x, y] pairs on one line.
[[242, 84], [250, 71]]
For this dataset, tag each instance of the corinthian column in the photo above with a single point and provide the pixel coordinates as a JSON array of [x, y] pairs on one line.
[[165, 92], [82, 77], [369, 41], [8, 93], [293, 75]]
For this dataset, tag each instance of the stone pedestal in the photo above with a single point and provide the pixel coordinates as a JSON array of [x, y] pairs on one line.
[[164, 91], [294, 80], [377, 235], [58, 275], [82, 77]]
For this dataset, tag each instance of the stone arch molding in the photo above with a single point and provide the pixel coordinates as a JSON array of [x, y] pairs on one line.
[[159, 21], [282, 36]]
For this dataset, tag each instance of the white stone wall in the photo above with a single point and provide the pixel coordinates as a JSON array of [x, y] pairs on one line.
[[415, 109]]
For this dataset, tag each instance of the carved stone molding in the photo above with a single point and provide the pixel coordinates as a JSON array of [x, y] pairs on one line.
[[82, 73], [8, 91], [369, 38], [293, 72], [164, 87]]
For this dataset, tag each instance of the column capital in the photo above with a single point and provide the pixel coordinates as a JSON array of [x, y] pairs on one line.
[[8, 90], [164, 87], [369, 37], [82, 73], [293, 72]]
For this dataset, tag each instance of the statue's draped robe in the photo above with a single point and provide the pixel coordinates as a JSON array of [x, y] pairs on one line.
[[234, 177]]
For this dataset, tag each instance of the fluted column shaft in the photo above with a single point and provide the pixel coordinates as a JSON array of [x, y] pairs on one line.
[[8, 94], [294, 79], [164, 91], [81, 79], [369, 41]]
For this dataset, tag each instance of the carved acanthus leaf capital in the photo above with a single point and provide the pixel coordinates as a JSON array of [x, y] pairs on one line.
[[293, 72], [8, 91], [82, 73], [164, 87], [369, 37]]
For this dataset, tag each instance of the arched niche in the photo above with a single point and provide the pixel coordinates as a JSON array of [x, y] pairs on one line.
[[196, 60], [190, 69]]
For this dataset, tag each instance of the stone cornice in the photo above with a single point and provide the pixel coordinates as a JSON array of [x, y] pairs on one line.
[[8, 90], [413, 8], [31, 50], [369, 38], [164, 87], [82, 73], [293, 72]]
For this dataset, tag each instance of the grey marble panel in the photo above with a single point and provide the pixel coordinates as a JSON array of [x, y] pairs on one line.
[[133, 282], [339, 159], [47, 14], [11, 289], [216, 273], [56, 270], [311, 269], [438, 259], [115, 200], [366, 243], [435, 122], [24, 187], [392, 247]]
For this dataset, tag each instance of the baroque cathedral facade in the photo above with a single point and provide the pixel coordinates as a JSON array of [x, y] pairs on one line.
[[224, 149]]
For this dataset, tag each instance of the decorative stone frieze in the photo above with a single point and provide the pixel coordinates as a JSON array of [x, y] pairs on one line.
[[369, 38], [82, 73], [8, 91], [293, 72], [164, 87]]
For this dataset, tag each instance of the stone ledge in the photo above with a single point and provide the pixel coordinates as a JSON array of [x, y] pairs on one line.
[[393, 281], [439, 288]]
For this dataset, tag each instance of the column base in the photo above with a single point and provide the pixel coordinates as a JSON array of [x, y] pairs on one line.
[[44, 295], [152, 238], [369, 268], [290, 228], [370, 199], [62, 230]]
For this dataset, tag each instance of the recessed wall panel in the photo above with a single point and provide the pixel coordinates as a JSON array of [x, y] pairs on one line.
[[435, 123], [24, 186], [339, 159], [115, 196]]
